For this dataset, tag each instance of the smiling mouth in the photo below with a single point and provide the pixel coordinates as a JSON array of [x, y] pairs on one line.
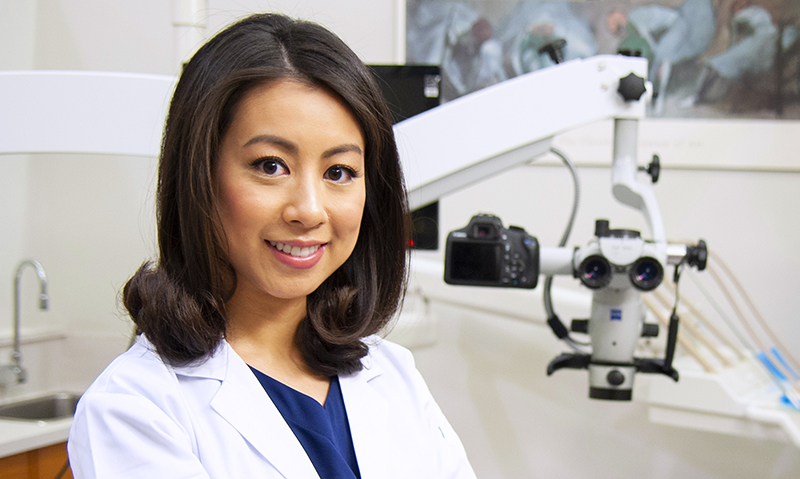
[[295, 251]]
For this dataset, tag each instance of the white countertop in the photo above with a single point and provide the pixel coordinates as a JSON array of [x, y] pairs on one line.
[[18, 436], [56, 362]]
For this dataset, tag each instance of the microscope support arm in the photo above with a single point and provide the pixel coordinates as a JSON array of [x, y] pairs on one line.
[[626, 189], [508, 124]]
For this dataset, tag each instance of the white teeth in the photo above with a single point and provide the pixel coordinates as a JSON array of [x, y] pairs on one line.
[[294, 250]]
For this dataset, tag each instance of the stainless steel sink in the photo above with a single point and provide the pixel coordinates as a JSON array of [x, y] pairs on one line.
[[44, 408]]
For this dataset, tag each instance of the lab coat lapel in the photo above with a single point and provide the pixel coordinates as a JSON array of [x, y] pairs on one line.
[[242, 401], [367, 413]]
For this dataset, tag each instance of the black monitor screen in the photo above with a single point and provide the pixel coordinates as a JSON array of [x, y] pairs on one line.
[[475, 261], [408, 89]]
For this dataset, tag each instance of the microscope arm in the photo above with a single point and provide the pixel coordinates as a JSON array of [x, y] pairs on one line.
[[626, 189], [508, 124]]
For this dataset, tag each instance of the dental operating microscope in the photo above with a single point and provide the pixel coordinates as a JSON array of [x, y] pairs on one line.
[[508, 124]]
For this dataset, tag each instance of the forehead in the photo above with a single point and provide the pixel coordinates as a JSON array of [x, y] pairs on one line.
[[294, 107]]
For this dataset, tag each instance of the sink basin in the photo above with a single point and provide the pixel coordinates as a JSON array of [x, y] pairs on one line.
[[44, 408]]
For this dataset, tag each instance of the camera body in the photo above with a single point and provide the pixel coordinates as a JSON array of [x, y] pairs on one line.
[[484, 253]]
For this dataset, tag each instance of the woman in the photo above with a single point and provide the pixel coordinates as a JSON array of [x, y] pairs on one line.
[[282, 235]]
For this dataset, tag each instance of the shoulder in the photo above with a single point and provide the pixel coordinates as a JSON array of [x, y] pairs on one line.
[[136, 401], [390, 369], [384, 351], [137, 370], [139, 379], [388, 358]]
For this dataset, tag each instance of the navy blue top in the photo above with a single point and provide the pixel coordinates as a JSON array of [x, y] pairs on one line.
[[322, 430]]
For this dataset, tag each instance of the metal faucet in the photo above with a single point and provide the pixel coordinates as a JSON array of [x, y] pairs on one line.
[[15, 368]]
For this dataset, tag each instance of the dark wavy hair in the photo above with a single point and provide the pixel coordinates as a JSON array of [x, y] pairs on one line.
[[179, 303]]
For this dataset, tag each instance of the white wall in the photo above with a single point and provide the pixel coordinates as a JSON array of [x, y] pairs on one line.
[[89, 220]]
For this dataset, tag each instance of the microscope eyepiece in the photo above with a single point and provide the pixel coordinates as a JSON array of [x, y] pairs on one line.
[[646, 273], [595, 271]]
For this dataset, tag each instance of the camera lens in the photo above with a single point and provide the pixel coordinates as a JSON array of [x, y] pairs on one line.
[[595, 272], [646, 273]]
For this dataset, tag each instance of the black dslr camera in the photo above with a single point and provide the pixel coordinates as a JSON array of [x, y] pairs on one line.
[[486, 254]]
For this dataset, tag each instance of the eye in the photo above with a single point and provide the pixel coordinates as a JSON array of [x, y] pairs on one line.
[[340, 174], [271, 166]]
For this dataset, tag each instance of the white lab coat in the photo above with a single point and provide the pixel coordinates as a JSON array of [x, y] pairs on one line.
[[142, 418]]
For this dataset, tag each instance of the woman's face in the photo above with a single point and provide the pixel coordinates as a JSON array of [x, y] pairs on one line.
[[291, 188]]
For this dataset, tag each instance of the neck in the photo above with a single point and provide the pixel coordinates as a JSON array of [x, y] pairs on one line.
[[262, 332], [262, 328]]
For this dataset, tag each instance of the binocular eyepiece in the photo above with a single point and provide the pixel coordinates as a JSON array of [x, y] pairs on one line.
[[596, 272]]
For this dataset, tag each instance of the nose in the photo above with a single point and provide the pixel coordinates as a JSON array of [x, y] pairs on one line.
[[305, 206]]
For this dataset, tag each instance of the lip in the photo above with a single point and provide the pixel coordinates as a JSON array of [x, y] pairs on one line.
[[297, 262]]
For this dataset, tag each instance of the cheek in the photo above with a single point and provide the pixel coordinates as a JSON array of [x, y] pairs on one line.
[[348, 213], [239, 212]]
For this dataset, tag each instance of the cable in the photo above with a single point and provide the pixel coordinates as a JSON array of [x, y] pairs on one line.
[[674, 319], [576, 198], [694, 331], [552, 317], [790, 394], [713, 329], [675, 278], [686, 345], [726, 292], [755, 311], [747, 344]]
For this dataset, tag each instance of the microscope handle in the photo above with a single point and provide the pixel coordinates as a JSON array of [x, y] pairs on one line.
[[568, 360], [654, 366]]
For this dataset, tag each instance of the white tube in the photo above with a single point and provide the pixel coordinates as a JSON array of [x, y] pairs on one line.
[[554, 261]]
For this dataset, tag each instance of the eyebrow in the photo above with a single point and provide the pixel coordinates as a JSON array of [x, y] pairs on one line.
[[275, 140], [343, 149], [293, 149]]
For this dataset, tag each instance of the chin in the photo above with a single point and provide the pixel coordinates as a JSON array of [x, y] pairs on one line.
[[301, 291]]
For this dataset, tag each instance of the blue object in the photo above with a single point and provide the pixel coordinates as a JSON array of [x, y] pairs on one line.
[[323, 431], [783, 362], [616, 315], [786, 402], [771, 367]]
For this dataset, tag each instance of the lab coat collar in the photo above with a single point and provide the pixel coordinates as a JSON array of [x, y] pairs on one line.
[[212, 367], [242, 402], [367, 414]]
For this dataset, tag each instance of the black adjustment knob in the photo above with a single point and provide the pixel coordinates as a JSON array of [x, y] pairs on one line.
[[554, 49], [653, 169], [602, 228], [649, 330], [630, 53], [580, 326], [615, 378], [697, 255], [631, 87]]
